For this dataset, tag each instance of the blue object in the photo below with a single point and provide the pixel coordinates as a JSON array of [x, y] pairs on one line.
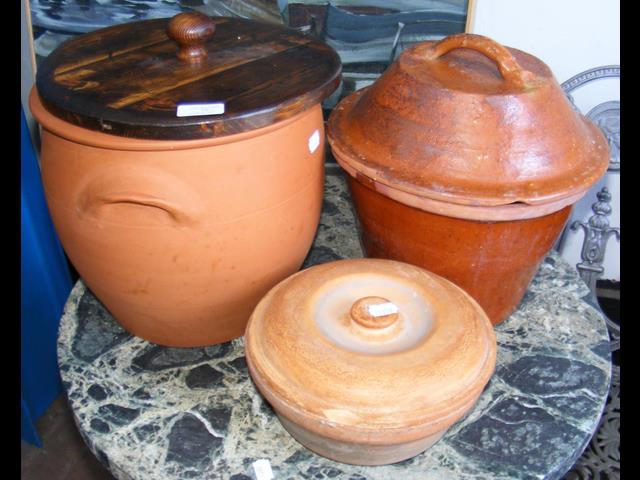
[[45, 286]]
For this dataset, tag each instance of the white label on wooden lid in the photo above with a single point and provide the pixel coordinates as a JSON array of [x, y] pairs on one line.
[[382, 309], [314, 141], [197, 109], [263, 470]]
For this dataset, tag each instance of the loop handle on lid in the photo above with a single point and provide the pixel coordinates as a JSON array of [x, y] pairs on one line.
[[191, 30], [508, 66]]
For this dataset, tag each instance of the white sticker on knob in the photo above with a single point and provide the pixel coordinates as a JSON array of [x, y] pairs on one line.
[[198, 109], [263, 470], [382, 309], [314, 141]]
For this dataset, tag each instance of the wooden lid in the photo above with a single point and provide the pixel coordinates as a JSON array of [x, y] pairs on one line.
[[129, 80], [370, 350], [469, 122]]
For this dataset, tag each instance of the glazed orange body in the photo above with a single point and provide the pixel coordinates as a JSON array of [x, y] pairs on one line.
[[465, 158], [492, 261], [181, 239]]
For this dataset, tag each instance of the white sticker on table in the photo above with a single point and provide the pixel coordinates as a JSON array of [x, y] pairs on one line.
[[382, 309], [314, 141], [263, 470], [198, 109]]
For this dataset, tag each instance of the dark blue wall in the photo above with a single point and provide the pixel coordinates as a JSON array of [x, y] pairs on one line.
[[45, 285]]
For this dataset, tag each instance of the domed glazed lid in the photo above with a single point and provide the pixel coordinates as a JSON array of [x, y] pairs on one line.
[[468, 122], [368, 349], [189, 77]]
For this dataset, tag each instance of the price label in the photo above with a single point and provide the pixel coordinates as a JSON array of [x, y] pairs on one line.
[[198, 109], [263, 470], [382, 309], [314, 141]]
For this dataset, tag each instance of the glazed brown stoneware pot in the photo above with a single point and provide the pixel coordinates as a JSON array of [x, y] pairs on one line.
[[465, 157], [185, 177], [369, 361]]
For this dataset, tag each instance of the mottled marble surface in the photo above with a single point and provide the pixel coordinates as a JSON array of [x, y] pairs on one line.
[[151, 412]]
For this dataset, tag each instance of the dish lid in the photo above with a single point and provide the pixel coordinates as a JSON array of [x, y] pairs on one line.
[[188, 77], [369, 347], [469, 122]]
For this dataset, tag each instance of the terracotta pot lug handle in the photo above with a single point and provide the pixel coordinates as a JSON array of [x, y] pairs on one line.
[[94, 204], [509, 67], [191, 30]]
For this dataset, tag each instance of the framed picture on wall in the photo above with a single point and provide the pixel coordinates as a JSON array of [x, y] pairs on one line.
[[370, 34]]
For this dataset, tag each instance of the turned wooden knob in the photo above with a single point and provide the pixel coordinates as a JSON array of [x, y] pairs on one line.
[[374, 312], [191, 30]]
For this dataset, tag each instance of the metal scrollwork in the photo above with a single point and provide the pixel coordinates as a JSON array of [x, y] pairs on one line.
[[596, 234], [601, 459], [605, 115]]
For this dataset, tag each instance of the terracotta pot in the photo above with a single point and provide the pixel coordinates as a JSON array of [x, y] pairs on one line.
[[465, 158], [495, 267], [367, 361], [180, 238]]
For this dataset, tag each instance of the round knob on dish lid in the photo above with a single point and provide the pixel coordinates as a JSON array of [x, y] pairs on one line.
[[191, 30], [374, 312]]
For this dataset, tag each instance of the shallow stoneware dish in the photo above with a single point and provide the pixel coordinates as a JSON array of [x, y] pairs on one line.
[[465, 157], [369, 361], [182, 161]]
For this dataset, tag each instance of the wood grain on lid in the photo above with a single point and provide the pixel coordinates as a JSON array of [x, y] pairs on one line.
[[127, 80]]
